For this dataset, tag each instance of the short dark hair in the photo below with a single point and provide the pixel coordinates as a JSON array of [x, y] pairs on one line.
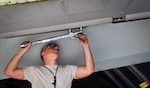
[[51, 44]]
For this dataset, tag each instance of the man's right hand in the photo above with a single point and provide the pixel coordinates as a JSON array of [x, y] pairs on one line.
[[26, 45]]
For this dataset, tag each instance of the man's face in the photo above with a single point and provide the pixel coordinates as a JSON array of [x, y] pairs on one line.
[[52, 50]]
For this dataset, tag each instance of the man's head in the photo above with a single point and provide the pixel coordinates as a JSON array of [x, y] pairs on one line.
[[50, 51]]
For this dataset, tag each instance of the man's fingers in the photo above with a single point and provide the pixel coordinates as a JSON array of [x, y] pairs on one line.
[[25, 44], [82, 37]]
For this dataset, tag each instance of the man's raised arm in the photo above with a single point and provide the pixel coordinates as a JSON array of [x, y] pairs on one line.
[[12, 69], [88, 68]]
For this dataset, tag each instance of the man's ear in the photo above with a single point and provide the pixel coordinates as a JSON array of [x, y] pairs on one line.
[[42, 53]]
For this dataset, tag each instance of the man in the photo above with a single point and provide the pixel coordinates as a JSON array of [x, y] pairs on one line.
[[51, 75]]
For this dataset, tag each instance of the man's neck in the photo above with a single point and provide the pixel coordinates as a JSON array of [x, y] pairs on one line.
[[51, 62]]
